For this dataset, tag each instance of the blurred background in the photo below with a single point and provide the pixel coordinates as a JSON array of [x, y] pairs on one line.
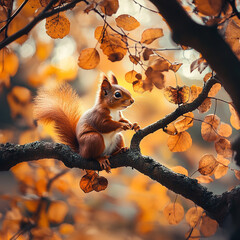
[[43, 197]]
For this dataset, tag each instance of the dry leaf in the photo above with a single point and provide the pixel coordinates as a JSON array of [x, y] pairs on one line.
[[127, 22], [179, 142], [151, 34], [205, 106], [234, 119], [89, 58], [193, 234], [207, 165], [204, 179], [138, 86], [174, 213], [214, 90], [237, 174], [57, 211], [109, 7], [225, 130], [177, 95], [170, 129], [180, 169], [194, 92], [209, 128], [223, 147], [209, 7], [134, 59], [131, 76], [146, 54], [175, 66], [208, 226], [57, 26], [185, 122], [222, 167]]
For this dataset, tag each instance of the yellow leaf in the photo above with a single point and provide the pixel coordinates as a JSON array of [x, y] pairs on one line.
[[222, 168], [138, 86], [225, 130], [184, 123], [66, 228], [179, 142], [151, 34], [57, 26], [207, 165], [89, 58], [131, 76], [127, 22], [57, 211], [180, 169], [209, 128], [174, 213]]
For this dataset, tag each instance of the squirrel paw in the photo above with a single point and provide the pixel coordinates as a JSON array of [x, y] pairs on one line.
[[127, 126], [104, 163], [135, 127]]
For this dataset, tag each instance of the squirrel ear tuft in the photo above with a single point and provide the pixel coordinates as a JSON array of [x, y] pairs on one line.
[[112, 78]]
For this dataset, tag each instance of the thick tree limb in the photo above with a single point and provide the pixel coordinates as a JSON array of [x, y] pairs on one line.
[[205, 40]]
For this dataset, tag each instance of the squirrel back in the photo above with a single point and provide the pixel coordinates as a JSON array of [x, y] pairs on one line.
[[60, 105]]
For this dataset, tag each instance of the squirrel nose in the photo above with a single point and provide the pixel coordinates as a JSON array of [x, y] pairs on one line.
[[131, 101]]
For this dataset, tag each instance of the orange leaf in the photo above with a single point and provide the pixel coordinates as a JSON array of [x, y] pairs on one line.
[[204, 179], [179, 142], [100, 184], [223, 147], [225, 130], [87, 181], [184, 123], [170, 129], [127, 22], [205, 106], [209, 7], [222, 167], [177, 95], [207, 77], [89, 58], [209, 128], [138, 86], [66, 228], [134, 59], [175, 66], [174, 213], [151, 34], [234, 119], [160, 65], [193, 234], [208, 226], [194, 92], [237, 174], [207, 165], [180, 169], [193, 216], [131, 76], [9, 62], [109, 7], [214, 90], [57, 26], [57, 211]]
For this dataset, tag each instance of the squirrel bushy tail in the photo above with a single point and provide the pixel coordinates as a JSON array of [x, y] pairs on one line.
[[60, 105]]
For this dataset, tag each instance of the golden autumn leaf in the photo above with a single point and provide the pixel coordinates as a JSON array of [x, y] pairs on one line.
[[175, 66], [9, 62], [205, 106], [66, 228], [208, 226], [207, 164], [100, 184], [177, 95], [234, 119], [207, 76], [222, 167], [204, 179], [32, 204], [209, 128], [170, 129], [147, 53], [138, 86], [160, 65], [57, 26], [87, 181], [43, 49], [109, 7], [57, 211], [134, 59], [193, 234], [193, 216], [174, 213], [223, 147], [209, 7], [225, 130], [34, 3], [127, 22], [89, 58], [131, 76], [179, 142], [185, 122], [151, 34], [180, 169], [194, 92], [214, 90]]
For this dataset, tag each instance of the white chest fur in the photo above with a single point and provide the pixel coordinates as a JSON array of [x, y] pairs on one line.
[[111, 139]]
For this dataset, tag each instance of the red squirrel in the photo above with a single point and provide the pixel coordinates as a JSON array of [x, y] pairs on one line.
[[96, 133]]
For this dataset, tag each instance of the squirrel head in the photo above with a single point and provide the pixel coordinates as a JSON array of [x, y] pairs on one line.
[[112, 95]]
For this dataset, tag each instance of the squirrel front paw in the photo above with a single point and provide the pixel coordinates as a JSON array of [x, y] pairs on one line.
[[126, 126], [104, 163], [135, 127]]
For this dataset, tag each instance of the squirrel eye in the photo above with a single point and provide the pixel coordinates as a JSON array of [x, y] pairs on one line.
[[117, 94]]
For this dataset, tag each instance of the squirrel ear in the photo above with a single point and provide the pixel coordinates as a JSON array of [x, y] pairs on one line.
[[106, 85], [112, 78]]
